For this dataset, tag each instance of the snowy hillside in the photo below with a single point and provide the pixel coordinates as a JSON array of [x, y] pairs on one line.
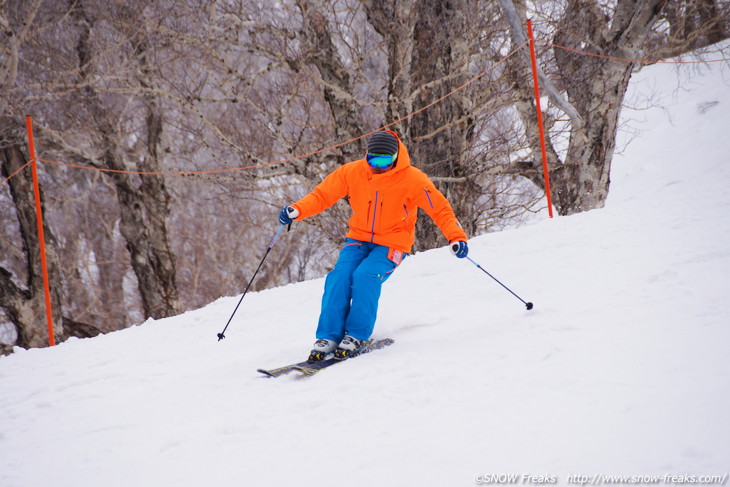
[[622, 368]]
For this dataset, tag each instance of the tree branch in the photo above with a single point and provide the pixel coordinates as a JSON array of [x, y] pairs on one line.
[[518, 35]]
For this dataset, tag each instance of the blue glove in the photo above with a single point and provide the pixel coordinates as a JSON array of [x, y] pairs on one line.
[[287, 215], [459, 249]]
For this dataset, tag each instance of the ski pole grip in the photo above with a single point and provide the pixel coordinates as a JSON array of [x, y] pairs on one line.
[[276, 237]]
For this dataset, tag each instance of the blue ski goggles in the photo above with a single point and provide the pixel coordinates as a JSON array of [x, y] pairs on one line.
[[381, 161]]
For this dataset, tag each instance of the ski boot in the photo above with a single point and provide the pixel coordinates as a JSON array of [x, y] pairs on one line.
[[349, 347], [321, 348]]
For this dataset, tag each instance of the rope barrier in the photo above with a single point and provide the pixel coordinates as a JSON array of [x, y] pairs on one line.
[[16, 172], [160, 173], [303, 156], [639, 61], [341, 144]]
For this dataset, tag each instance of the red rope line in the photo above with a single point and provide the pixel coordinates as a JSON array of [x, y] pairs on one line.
[[303, 156], [639, 61], [16, 172], [156, 173], [335, 146]]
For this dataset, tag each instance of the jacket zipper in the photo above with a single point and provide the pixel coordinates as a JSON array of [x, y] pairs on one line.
[[428, 195], [375, 214]]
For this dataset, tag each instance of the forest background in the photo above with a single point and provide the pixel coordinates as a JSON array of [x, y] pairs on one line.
[[256, 101]]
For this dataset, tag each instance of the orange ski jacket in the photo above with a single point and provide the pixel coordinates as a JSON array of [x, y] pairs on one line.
[[384, 206]]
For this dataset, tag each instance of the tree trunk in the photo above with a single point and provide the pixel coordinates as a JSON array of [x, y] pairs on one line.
[[596, 87], [26, 307], [338, 90], [582, 182], [428, 53], [145, 206], [438, 140]]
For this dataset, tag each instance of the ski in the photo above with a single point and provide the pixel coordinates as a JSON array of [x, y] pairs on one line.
[[311, 368]]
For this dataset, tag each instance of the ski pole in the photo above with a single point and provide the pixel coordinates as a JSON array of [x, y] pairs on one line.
[[221, 335], [527, 304]]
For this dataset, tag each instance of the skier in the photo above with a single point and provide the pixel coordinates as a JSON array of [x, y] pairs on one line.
[[384, 192]]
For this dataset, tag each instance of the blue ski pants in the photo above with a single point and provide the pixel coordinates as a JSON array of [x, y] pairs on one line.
[[352, 291]]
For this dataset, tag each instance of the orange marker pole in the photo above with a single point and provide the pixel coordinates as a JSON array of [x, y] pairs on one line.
[[41, 238], [539, 119]]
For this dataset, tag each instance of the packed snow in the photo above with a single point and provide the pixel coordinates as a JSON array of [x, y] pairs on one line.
[[622, 368]]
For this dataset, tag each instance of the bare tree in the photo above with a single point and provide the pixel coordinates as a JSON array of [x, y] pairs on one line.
[[596, 85], [55, 66], [144, 202], [22, 296]]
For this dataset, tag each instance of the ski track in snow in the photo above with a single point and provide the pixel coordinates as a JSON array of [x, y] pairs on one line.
[[622, 367]]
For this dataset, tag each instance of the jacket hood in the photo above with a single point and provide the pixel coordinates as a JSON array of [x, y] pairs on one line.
[[404, 158]]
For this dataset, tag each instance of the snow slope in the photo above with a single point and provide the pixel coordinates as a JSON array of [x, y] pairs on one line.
[[622, 368]]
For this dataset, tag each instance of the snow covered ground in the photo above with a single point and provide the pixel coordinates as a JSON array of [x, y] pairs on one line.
[[622, 368]]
